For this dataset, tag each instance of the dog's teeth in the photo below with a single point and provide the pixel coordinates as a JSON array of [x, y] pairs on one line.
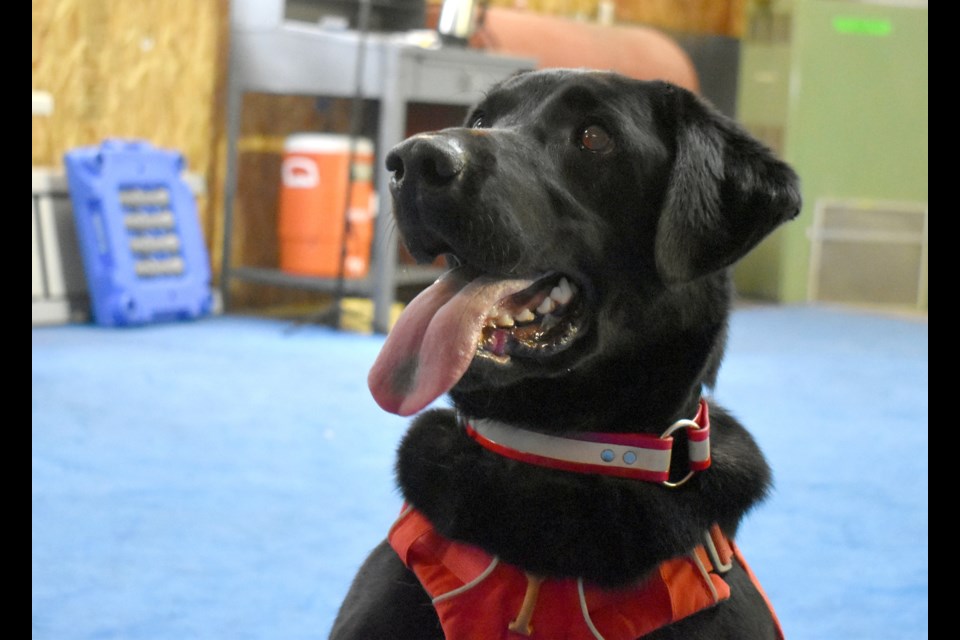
[[546, 306], [548, 322], [504, 320], [563, 292], [525, 316]]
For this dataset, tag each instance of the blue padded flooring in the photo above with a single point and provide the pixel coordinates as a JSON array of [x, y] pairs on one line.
[[224, 478]]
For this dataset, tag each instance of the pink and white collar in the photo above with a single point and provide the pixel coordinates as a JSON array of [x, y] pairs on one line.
[[639, 456]]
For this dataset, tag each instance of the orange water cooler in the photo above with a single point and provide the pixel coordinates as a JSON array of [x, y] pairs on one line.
[[313, 202]]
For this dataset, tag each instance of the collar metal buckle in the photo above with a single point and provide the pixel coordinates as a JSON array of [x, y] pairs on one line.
[[679, 424]]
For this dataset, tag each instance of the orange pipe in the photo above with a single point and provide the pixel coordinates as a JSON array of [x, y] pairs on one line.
[[636, 51]]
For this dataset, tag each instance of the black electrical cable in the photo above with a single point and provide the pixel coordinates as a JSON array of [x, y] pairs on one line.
[[333, 314]]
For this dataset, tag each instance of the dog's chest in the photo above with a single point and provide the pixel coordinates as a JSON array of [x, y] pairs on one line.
[[477, 596]]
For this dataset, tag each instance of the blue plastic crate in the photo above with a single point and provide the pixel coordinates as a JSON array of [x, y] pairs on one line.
[[139, 234]]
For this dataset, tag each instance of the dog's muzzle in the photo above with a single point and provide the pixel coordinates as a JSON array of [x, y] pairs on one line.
[[429, 174]]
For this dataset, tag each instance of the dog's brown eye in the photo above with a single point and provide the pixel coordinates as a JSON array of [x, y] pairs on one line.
[[479, 122], [595, 138]]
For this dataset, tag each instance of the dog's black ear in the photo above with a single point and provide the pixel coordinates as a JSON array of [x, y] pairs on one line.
[[727, 191]]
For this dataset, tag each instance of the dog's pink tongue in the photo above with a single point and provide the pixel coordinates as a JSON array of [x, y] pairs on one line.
[[434, 341]]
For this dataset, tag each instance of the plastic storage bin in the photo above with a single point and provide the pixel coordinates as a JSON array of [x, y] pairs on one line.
[[139, 234], [313, 199]]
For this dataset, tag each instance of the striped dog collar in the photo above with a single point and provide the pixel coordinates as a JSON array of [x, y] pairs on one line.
[[640, 456]]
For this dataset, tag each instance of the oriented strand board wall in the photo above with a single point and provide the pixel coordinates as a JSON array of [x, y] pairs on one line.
[[144, 69]]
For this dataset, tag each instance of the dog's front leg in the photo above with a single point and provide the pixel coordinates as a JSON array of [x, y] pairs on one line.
[[386, 602]]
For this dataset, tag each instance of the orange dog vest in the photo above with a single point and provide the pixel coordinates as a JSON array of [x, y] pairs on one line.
[[477, 597]]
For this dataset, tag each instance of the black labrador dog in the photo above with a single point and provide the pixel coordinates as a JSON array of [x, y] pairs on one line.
[[583, 485]]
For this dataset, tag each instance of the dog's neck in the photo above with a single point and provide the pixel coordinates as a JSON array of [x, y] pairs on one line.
[[607, 530]]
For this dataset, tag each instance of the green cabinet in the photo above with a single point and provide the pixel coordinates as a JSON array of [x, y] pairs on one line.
[[839, 90]]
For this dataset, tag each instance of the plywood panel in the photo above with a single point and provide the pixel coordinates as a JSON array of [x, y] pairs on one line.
[[151, 69]]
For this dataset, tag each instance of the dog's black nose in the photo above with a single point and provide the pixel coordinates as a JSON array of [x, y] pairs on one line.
[[432, 159]]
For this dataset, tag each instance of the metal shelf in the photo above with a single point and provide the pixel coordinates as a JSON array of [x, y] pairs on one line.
[[297, 59], [402, 276]]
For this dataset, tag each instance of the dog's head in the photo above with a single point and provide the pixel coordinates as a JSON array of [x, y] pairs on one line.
[[588, 220]]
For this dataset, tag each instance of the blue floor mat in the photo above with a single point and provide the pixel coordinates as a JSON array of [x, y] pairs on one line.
[[224, 478]]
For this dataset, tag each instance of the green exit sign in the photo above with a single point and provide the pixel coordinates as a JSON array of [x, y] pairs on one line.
[[862, 26]]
